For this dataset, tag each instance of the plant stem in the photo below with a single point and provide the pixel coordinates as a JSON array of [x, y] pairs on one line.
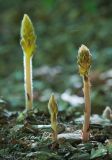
[[54, 126], [87, 112], [28, 82]]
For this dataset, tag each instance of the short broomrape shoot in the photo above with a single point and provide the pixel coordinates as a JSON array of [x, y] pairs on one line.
[[107, 113], [53, 110], [84, 60], [28, 44]]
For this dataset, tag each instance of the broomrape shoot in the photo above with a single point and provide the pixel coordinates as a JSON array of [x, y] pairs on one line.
[[53, 110], [28, 44], [84, 60]]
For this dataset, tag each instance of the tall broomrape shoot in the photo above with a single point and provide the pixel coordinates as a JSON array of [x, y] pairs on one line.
[[53, 110], [84, 60], [28, 44]]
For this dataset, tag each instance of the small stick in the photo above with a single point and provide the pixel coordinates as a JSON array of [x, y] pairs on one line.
[[28, 44], [84, 62], [36, 126], [53, 110]]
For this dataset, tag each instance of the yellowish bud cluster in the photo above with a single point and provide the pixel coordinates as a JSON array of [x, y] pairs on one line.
[[84, 60]]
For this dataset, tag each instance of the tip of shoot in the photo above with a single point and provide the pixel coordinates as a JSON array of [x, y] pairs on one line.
[[84, 60], [83, 48], [52, 105], [28, 36], [26, 16]]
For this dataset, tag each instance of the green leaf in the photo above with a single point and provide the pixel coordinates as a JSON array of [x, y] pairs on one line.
[[100, 152], [109, 148]]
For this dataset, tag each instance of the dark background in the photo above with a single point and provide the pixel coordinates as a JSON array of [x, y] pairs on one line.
[[61, 27]]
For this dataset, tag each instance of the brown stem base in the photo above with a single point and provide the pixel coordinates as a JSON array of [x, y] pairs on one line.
[[87, 111]]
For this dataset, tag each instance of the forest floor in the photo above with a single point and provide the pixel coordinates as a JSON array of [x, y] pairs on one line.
[[31, 138]]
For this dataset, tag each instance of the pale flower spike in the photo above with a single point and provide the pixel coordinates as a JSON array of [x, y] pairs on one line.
[[28, 44], [84, 60], [28, 36]]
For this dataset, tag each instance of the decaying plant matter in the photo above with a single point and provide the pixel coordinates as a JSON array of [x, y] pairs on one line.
[[84, 60], [53, 110], [28, 44]]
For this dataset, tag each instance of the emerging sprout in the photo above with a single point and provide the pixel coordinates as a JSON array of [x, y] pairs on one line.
[[84, 60], [28, 44], [53, 110], [107, 113]]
